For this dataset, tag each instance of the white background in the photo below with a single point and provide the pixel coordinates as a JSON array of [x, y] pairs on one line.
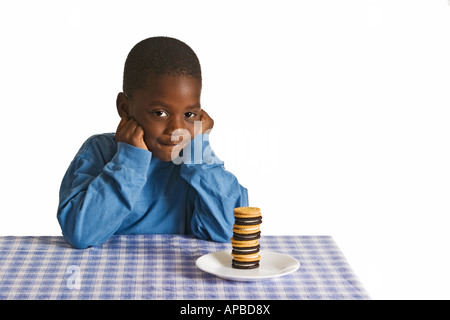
[[333, 113]]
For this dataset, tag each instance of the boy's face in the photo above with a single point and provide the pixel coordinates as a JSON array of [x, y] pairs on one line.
[[165, 104]]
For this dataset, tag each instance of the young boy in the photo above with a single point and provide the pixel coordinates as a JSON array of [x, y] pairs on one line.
[[133, 182]]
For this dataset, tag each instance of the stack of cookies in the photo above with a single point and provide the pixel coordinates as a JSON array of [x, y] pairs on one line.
[[246, 232]]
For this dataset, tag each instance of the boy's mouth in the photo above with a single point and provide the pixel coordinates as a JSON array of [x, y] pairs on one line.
[[170, 144]]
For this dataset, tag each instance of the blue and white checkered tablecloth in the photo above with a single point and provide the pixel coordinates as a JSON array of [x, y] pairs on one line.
[[163, 267]]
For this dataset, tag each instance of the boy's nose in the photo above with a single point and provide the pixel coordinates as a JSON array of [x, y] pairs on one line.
[[174, 124]]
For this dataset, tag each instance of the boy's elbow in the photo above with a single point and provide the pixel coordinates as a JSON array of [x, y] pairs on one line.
[[218, 233], [78, 242], [221, 238], [74, 232], [74, 235]]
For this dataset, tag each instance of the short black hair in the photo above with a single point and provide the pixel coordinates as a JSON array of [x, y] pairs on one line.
[[158, 56]]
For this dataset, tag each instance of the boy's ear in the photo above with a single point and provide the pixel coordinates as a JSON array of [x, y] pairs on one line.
[[122, 104]]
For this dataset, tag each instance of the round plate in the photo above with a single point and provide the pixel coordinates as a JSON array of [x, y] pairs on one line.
[[272, 264]]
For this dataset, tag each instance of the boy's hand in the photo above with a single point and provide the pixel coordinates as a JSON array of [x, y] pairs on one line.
[[129, 131], [207, 122]]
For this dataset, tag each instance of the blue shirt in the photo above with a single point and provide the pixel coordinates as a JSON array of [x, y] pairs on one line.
[[115, 188]]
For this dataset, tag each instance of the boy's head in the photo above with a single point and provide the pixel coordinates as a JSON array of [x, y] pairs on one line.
[[162, 84], [159, 56]]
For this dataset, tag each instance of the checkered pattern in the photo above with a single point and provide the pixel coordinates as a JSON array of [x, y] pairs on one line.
[[163, 267]]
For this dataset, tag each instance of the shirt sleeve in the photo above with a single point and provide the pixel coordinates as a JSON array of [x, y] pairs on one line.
[[216, 191], [96, 196]]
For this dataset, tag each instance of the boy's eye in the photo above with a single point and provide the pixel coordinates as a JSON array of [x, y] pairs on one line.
[[190, 114], [160, 114]]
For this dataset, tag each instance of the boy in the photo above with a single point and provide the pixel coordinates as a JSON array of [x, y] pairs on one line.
[[132, 182]]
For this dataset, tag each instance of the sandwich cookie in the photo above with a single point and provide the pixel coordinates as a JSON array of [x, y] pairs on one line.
[[247, 212], [246, 232], [246, 261], [244, 247], [248, 221], [244, 265], [242, 244]]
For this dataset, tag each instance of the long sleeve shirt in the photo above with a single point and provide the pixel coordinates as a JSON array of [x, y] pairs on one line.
[[115, 188]]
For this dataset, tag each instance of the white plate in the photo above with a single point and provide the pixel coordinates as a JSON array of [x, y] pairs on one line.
[[272, 264]]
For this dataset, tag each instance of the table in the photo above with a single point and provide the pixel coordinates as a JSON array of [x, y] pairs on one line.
[[163, 267]]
